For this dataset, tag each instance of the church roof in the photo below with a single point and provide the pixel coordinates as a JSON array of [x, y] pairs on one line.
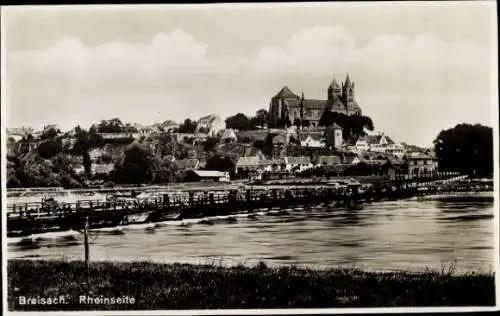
[[308, 103], [314, 104], [334, 84], [347, 80], [285, 92]]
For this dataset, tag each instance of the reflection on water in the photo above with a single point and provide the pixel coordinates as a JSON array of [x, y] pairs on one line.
[[407, 234]]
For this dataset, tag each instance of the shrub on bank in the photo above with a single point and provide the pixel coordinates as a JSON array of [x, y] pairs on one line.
[[182, 286]]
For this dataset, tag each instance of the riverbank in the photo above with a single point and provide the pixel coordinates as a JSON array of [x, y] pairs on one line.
[[182, 286]]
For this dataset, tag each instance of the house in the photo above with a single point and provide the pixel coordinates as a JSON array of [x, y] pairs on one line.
[[150, 130], [169, 125], [228, 136], [395, 149], [18, 133], [272, 165], [379, 143], [207, 175], [50, 126], [334, 136], [252, 151], [397, 166], [362, 145], [102, 169], [68, 142], [188, 137], [311, 140], [279, 140], [96, 154], [247, 164], [137, 126], [328, 161], [369, 158], [211, 125], [420, 164], [187, 164], [297, 163], [108, 136], [78, 168]]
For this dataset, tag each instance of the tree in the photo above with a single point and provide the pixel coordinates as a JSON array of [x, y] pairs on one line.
[[358, 124], [327, 118], [465, 148], [283, 123], [210, 143], [137, 166], [188, 127], [353, 126], [128, 128], [165, 172], [114, 125], [239, 122], [87, 163], [86, 140], [51, 133], [261, 118], [216, 162], [49, 149], [62, 163]]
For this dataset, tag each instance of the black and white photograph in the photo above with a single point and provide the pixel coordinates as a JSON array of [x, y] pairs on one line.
[[250, 158]]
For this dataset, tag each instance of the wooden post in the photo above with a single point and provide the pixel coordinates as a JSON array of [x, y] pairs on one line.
[[86, 244], [248, 196], [191, 198], [166, 201]]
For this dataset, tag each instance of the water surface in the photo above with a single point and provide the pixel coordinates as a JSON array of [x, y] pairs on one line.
[[409, 235]]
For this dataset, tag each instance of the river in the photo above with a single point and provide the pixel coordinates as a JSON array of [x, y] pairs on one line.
[[400, 235]]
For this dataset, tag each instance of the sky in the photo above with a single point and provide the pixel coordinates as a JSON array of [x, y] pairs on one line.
[[418, 68]]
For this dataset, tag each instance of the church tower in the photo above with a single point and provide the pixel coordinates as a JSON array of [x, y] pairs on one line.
[[333, 90], [348, 94]]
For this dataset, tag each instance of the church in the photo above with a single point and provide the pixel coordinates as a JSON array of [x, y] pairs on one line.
[[288, 105]]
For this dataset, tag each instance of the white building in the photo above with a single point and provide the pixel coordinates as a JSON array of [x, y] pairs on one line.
[[380, 144], [311, 140], [228, 136], [18, 133], [211, 124], [169, 125], [298, 163]]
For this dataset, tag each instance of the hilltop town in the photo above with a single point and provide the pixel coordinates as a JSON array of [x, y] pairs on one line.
[[295, 137]]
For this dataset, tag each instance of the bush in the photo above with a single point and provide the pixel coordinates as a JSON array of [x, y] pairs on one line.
[[49, 149]]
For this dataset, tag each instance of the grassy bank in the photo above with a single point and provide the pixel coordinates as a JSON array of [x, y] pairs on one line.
[[179, 286]]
